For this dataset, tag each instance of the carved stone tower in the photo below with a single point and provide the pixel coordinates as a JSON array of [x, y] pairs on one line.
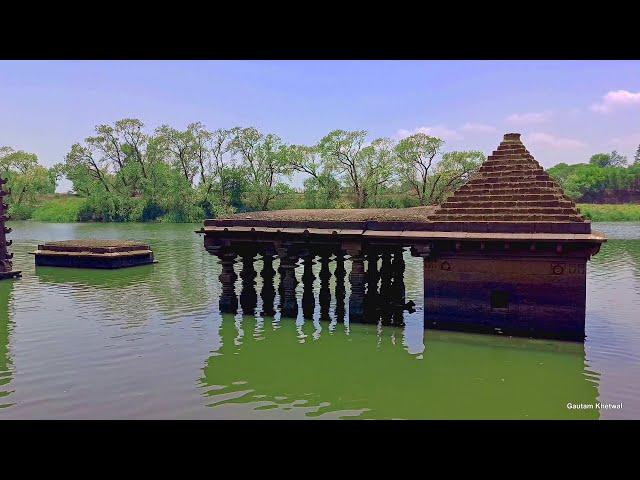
[[6, 266]]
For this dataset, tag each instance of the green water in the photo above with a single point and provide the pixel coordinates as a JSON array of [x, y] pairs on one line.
[[149, 342]]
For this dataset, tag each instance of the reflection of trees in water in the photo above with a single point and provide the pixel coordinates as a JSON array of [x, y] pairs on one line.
[[367, 372], [6, 325], [615, 253]]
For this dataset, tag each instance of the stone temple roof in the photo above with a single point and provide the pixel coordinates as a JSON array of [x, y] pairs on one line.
[[511, 186], [510, 193]]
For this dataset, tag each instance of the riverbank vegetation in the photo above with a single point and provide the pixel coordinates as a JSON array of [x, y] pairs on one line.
[[126, 172]]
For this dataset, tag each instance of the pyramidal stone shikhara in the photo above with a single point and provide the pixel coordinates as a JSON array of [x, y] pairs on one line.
[[506, 254], [512, 192]]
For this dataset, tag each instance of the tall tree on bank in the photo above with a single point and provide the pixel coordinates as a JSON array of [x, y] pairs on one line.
[[636, 157], [416, 155], [265, 161], [26, 179], [613, 159], [364, 168]]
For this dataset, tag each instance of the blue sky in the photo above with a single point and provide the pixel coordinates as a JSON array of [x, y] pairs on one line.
[[565, 110]]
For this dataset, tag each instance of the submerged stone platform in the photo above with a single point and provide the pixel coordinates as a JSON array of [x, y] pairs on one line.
[[92, 253], [506, 253]]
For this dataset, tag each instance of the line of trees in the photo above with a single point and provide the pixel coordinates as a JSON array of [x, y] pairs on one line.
[[606, 177], [126, 173]]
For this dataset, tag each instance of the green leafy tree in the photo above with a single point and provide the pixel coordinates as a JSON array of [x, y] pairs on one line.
[[363, 168], [613, 159], [416, 162], [26, 179], [264, 159], [453, 170]]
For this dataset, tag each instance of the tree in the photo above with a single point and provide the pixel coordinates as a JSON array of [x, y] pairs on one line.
[[26, 179], [416, 155], [453, 170], [84, 169], [265, 161], [613, 159], [363, 168], [636, 157], [181, 147]]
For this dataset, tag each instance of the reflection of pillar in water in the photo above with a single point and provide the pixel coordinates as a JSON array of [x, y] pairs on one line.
[[308, 299], [340, 292], [289, 282], [372, 296], [268, 291], [398, 288], [248, 295], [357, 278], [325, 292]]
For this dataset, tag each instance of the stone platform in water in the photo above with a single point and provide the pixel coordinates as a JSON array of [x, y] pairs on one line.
[[92, 253]]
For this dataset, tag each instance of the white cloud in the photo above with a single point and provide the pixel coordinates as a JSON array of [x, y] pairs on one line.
[[616, 99], [628, 141], [530, 118], [545, 140], [436, 131], [479, 128]]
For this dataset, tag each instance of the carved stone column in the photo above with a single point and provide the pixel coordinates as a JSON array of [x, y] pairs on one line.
[[6, 266], [268, 293], [308, 298], [357, 278], [288, 261], [228, 277], [248, 295], [325, 292]]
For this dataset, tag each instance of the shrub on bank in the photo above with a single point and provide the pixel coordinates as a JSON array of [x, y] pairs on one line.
[[60, 210]]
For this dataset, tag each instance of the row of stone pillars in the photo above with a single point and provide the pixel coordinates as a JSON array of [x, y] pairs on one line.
[[375, 293]]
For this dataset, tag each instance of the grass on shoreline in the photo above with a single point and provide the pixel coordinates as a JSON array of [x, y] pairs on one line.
[[65, 208], [625, 212]]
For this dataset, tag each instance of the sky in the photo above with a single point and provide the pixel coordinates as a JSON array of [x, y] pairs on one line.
[[565, 110]]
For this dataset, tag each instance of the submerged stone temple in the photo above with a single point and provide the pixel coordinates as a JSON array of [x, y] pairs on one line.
[[93, 253], [6, 265], [506, 253]]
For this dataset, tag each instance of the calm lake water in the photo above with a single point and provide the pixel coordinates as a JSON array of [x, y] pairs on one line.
[[149, 342]]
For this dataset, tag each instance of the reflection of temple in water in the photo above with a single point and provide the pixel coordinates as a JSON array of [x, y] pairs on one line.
[[366, 372], [6, 326]]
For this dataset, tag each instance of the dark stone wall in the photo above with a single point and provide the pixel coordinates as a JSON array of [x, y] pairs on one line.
[[538, 297]]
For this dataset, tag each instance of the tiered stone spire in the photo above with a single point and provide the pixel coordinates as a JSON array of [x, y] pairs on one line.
[[511, 192], [6, 266]]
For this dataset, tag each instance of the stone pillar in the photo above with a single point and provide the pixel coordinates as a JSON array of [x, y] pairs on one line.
[[6, 266], [268, 293], [325, 292], [398, 288], [228, 277], [288, 261], [308, 298], [340, 292], [386, 275], [357, 278], [248, 295]]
